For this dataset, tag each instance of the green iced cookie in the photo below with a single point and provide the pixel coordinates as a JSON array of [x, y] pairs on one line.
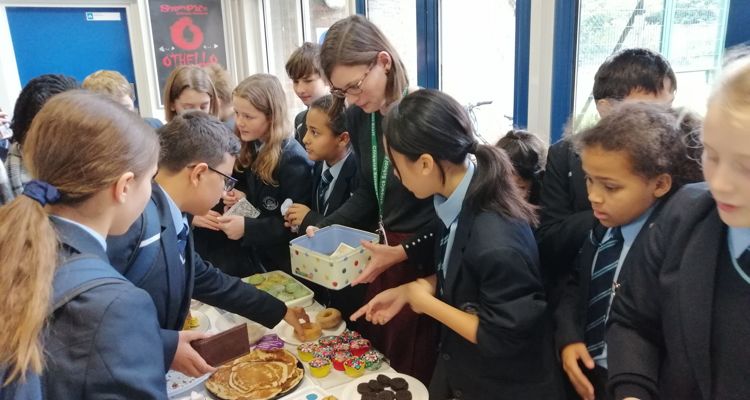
[[275, 290], [256, 279], [292, 287], [302, 292], [284, 296]]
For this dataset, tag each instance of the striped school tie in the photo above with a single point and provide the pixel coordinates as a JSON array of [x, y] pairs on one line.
[[441, 268], [182, 242], [600, 291], [325, 181]]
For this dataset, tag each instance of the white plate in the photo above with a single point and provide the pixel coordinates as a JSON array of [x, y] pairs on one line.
[[227, 321], [177, 383], [417, 389], [286, 332], [204, 324]]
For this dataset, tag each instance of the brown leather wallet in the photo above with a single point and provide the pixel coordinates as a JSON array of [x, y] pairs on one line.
[[224, 346]]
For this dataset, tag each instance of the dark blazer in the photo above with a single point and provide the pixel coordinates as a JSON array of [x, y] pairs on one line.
[[494, 272], [90, 341], [172, 284], [346, 183], [566, 216], [300, 126], [570, 315], [660, 322], [266, 235]]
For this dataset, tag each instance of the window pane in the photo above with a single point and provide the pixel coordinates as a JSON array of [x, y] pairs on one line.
[[323, 13], [690, 33], [283, 36], [478, 60], [398, 20]]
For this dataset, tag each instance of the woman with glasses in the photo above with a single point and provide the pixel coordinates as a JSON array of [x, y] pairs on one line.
[[273, 167], [366, 72]]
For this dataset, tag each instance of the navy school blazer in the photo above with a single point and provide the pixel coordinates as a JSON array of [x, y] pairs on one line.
[[266, 235], [660, 322], [570, 315], [343, 188], [172, 284], [89, 341], [493, 272]]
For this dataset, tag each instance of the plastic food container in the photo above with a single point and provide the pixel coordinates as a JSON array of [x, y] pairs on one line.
[[282, 286], [312, 260]]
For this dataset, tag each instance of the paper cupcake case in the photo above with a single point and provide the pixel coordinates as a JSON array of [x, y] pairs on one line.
[[311, 256]]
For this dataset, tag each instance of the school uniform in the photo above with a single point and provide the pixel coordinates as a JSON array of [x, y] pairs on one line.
[[266, 236], [566, 216], [173, 278], [332, 187], [89, 342], [583, 308], [678, 324], [300, 126], [488, 266], [409, 339]]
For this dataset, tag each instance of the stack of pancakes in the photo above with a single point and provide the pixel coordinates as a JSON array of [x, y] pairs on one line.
[[258, 375]]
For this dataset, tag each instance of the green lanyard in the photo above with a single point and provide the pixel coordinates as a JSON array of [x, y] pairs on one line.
[[379, 177]]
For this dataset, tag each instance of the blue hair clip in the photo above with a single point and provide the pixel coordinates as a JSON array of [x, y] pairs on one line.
[[43, 192]]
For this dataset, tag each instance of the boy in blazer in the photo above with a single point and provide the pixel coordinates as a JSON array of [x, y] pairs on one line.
[[197, 156]]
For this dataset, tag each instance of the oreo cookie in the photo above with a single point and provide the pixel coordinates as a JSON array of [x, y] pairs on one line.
[[403, 395], [384, 380], [363, 388], [375, 386], [399, 384]]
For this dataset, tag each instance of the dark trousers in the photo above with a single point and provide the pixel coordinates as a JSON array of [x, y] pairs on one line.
[[597, 377]]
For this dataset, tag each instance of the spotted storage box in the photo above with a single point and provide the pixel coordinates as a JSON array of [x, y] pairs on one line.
[[312, 260]]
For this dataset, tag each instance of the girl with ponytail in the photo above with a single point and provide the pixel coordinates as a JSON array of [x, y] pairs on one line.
[[91, 161], [486, 291]]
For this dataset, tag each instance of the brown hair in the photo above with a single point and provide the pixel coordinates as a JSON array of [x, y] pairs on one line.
[[264, 92], [654, 137], [223, 83], [108, 82], [188, 77], [81, 143], [357, 41], [304, 61]]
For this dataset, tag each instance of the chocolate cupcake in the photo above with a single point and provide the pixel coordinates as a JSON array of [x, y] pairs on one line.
[[403, 395]]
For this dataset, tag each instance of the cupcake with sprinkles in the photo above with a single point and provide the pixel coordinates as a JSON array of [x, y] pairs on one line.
[[373, 360], [359, 347], [347, 336], [323, 352], [306, 351], [329, 341], [320, 367], [339, 358], [354, 367], [341, 347]]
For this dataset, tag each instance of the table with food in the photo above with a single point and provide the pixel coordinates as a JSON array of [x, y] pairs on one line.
[[256, 363]]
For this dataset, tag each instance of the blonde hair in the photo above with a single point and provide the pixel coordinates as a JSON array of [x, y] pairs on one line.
[[111, 83], [357, 41], [732, 88], [76, 134], [265, 93], [222, 82], [188, 77]]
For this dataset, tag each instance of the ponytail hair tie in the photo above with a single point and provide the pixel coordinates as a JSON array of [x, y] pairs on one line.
[[473, 147], [41, 191]]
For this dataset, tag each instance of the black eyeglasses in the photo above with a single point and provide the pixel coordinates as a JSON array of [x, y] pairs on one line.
[[229, 182], [352, 89]]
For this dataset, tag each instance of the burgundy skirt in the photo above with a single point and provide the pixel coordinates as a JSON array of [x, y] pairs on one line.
[[409, 340]]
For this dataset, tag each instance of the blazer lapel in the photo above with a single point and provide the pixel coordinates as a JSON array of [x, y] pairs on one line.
[[341, 191], [698, 273], [316, 171], [460, 240]]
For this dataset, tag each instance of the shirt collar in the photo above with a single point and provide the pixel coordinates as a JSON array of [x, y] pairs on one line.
[[178, 218], [739, 239], [335, 168], [630, 231], [99, 238], [448, 209]]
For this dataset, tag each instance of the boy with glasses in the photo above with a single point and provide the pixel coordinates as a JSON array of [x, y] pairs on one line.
[[197, 156]]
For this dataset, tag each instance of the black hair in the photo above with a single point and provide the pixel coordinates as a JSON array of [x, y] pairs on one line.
[[336, 116], [431, 122], [195, 136], [632, 69], [528, 154], [655, 138], [31, 99]]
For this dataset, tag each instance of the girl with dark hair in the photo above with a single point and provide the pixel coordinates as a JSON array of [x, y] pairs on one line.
[[528, 154], [366, 72], [487, 291]]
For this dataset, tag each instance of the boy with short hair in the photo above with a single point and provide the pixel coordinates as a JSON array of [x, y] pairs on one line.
[[195, 166], [629, 75], [303, 68]]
